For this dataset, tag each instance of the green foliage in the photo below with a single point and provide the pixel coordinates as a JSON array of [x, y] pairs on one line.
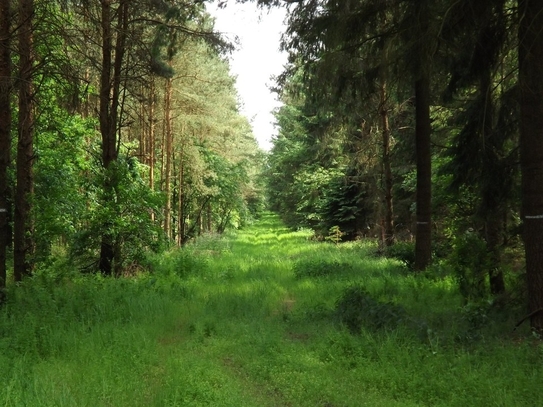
[[347, 204], [334, 235], [126, 217], [403, 251], [60, 177], [470, 261], [357, 309]]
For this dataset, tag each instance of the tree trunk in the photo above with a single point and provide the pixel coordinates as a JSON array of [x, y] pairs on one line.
[[494, 232], [143, 154], [23, 242], [110, 93], [209, 218], [423, 131], [423, 242], [388, 225], [531, 150], [5, 132], [169, 155], [180, 211], [151, 147], [493, 203]]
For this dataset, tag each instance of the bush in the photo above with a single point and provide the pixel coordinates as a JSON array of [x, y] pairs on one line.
[[470, 261], [357, 309], [403, 251]]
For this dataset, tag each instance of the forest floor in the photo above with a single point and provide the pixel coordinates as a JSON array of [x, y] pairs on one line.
[[253, 319]]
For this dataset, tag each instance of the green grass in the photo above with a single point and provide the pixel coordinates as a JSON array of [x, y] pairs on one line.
[[250, 320]]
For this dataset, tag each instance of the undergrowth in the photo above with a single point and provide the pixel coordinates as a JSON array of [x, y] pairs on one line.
[[265, 317]]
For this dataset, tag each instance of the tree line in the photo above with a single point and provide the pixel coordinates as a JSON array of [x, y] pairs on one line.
[[419, 120], [120, 132]]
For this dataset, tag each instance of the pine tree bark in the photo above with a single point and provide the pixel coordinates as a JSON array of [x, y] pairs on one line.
[[492, 204], [180, 211], [151, 147], [388, 225], [423, 242], [110, 94], [423, 130], [531, 150], [5, 132], [169, 155], [23, 242]]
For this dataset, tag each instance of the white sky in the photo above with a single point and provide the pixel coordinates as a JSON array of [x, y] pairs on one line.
[[255, 61]]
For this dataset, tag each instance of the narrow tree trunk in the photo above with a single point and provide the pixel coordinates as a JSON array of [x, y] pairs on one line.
[[180, 211], [169, 155], [110, 94], [388, 226], [5, 132], [423, 243], [209, 218], [23, 242], [151, 147], [531, 150], [494, 232], [493, 205], [143, 154]]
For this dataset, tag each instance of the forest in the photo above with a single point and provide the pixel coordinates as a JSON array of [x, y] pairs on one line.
[[387, 250]]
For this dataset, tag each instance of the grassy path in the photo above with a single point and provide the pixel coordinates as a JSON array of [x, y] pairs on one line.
[[249, 320]]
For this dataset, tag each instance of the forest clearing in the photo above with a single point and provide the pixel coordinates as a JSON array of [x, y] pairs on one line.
[[255, 319]]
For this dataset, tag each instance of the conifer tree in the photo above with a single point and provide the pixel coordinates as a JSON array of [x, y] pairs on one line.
[[5, 132], [23, 239], [531, 150]]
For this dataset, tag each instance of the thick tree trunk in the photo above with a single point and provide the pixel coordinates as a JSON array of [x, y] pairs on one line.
[[423, 243], [5, 132], [531, 150], [423, 131], [23, 242], [108, 140], [388, 225]]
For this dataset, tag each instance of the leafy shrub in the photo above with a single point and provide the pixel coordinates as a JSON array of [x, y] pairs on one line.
[[320, 268], [403, 251], [123, 215], [470, 262], [355, 308]]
